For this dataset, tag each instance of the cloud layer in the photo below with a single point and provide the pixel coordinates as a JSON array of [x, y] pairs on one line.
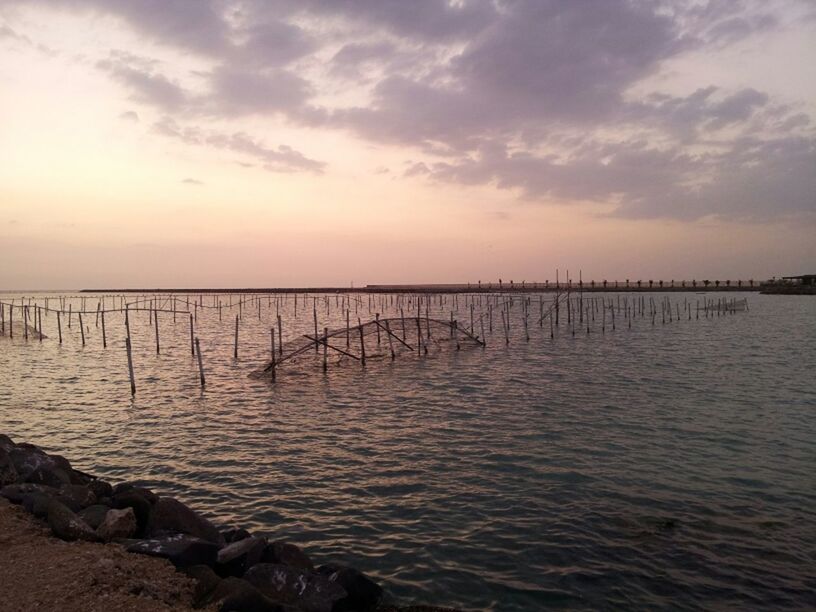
[[530, 95]]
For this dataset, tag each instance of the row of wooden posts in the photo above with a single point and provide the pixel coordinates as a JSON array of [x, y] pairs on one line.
[[577, 307]]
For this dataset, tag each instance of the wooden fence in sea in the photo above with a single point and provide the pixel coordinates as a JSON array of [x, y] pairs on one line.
[[391, 325]]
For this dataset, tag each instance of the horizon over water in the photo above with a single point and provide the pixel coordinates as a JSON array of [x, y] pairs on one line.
[[666, 465]]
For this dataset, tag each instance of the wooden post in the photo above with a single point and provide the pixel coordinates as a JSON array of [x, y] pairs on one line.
[[390, 340], [25, 322], [82, 329], [200, 364], [156, 321], [314, 305], [456, 334], [59, 326], [419, 338], [377, 319], [130, 365], [235, 350], [552, 330], [526, 326], [104, 337], [481, 321], [348, 330], [192, 342], [272, 333], [280, 336], [325, 348], [362, 341]]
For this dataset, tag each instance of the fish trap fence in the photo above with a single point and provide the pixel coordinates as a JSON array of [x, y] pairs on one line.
[[378, 339]]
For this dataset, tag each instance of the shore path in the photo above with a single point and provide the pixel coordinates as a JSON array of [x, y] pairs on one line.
[[40, 572]]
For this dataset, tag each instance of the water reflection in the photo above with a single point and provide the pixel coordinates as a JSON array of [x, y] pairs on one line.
[[652, 466]]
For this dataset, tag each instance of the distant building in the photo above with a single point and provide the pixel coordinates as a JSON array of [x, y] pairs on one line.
[[804, 284]]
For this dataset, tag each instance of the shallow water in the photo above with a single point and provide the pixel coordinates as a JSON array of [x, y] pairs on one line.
[[663, 465]]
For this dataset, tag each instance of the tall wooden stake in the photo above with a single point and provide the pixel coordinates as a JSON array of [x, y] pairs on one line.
[[200, 364]]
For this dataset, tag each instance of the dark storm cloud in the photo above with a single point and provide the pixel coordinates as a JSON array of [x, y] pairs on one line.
[[521, 94]]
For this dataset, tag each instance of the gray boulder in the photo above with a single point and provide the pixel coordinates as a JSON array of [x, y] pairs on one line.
[[66, 525], [16, 493], [171, 516], [181, 550], [236, 558], [142, 508], [35, 466], [37, 504], [117, 524], [76, 497], [205, 582], [94, 515], [100, 488], [305, 590]]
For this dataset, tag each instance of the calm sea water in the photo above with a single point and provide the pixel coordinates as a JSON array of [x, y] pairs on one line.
[[659, 466]]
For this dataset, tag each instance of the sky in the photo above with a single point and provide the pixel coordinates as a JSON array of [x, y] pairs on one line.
[[261, 143]]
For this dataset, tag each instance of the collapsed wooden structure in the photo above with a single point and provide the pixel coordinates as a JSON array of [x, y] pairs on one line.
[[379, 338]]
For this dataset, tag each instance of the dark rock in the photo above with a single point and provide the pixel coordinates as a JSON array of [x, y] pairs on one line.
[[180, 550], [76, 497], [37, 504], [236, 594], [6, 443], [286, 553], [117, 524], [8, 473], [363, 593], [94, 515], [123, 487], [16, 493], [205, 581], [142, 508], [51, 476], [236, 558], [61, 462], [170, 515], [100, 488], [234, 535], [35, 466], [79, 477], [66, 525], [307, 591]]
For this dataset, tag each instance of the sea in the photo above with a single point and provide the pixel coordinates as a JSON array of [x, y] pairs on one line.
[[665, 463]]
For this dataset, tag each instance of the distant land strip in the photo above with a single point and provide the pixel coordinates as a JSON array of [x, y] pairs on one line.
[[455, 288]]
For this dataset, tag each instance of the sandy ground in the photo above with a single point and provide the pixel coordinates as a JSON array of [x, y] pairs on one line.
[[39, 572]]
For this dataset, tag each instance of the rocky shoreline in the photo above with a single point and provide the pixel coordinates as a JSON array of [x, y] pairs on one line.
[[231, 568]]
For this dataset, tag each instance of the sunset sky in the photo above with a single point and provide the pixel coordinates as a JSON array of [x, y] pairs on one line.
[[187, 143]]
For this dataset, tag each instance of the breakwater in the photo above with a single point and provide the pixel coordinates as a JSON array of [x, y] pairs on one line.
[[233, 569]]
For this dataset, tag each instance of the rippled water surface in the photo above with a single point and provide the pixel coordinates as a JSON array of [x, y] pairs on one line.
[[663, 465]]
